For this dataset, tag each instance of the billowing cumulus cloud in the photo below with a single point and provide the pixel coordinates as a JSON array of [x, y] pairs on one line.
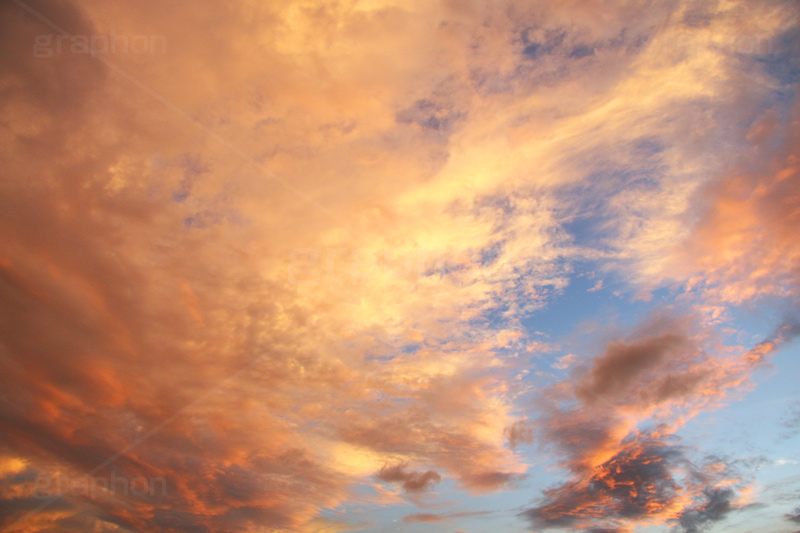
[[266, 265]]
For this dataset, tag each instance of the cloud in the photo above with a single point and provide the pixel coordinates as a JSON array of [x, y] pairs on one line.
[[791, 423], [717, 506], [794, 516], [411, 481], [519, 433], [296, 249], [424, 517], [613, 424], [623, 363], [565, 361], [149, 269], [597, 286], [635, 484], [740, 244], [650, 480], [433, 518]]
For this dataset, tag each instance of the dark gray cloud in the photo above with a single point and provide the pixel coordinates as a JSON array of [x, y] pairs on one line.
[[411, 481], [794, 516], [519, 433], [636, 483], [717, 506], [619, 472], [623, 362]]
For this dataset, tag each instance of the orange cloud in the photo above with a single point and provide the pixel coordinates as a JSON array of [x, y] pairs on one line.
[[297, 244], [613, 423]]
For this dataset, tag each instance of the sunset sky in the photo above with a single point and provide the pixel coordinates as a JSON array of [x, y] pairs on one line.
[[439, 266]]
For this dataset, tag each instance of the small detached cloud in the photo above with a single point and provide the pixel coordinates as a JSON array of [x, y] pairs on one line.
[[409, 480]]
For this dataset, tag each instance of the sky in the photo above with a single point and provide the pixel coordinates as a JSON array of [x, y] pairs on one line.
[[437, 266]]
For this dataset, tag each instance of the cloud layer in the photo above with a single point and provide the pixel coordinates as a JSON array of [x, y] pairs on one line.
[[286, 263]]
